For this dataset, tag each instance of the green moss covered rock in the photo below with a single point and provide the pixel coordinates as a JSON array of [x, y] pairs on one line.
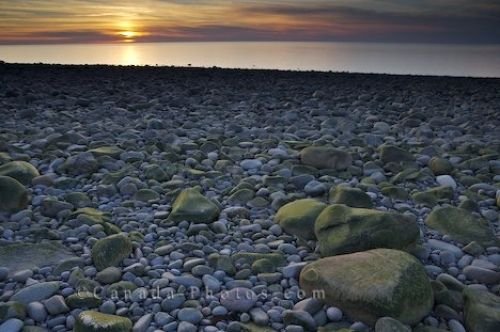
[[341, 230], [395, 192], [391, 153], [12, 309], [109, 151], [482, 311], [83, 299], [461, 225], [111, 250], [371, 284], [298, 217], [241, 196], [322, 157], [192, 206], [146, 195], [352, 197], [92, 321], [22, 171], [13, 195], [91, 216], [433, 196], [440, 166], [78, 199]]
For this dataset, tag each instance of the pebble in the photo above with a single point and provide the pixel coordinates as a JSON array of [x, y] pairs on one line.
[[446, 181], [238, 299], [11, 325]]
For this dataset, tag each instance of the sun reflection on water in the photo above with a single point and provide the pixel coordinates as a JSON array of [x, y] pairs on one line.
[[130, 55]]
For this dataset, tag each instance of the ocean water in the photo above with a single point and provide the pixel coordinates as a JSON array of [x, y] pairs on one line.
[[419, 59]]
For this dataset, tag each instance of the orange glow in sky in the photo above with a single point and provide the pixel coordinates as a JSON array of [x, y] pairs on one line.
[[113, 21]]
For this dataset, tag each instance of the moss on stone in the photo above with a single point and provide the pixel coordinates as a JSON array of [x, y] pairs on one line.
[[92, 321], [192, 206], [22, 171], [111, 250], [461, 225], [372, 284], [341, 229], [13, 195], [352, 197], [298, 217]]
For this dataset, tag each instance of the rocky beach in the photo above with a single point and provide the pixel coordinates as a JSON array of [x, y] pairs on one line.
[[152, 199]]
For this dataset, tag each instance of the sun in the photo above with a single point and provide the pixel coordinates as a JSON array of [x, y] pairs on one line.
[[128, 34]]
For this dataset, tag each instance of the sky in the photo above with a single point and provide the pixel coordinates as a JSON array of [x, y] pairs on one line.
[[126, 21]]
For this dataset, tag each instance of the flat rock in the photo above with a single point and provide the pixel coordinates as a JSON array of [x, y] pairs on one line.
[[36, 292], [22, 256], [461, 225]]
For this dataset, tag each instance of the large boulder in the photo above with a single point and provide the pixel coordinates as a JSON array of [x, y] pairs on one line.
[[22, 171], [461, 225], [111, 250], [322, 157], [391, 153], [342, 230], [482, 310], [13, 195], [298, 217], [371, 284], [352, 197], [192, 206], [92, 321]]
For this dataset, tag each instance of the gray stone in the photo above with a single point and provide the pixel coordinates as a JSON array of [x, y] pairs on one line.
[[36, 292], [190, 315], [238, 299]]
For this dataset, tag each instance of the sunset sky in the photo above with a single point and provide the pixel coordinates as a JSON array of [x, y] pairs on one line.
[[97, 21]]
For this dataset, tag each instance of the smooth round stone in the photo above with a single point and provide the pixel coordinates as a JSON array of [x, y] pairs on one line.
[[481, 275], [4, 273], [142, 323], [162, 318], [11, 325], [238, 299], [22, 276], [334, 314], [37, 311], [259, 316], [456, 326], [108, 307], [219, 311], [211, 283], [250, 164], [56, 305], [446, 181], [315, 188], [186, 327], [191, 315], [109, 275]]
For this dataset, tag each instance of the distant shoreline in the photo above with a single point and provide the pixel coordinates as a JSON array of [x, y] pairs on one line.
[[41, 65]]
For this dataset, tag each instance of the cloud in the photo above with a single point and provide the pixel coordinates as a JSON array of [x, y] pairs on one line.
[[445, 21]]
